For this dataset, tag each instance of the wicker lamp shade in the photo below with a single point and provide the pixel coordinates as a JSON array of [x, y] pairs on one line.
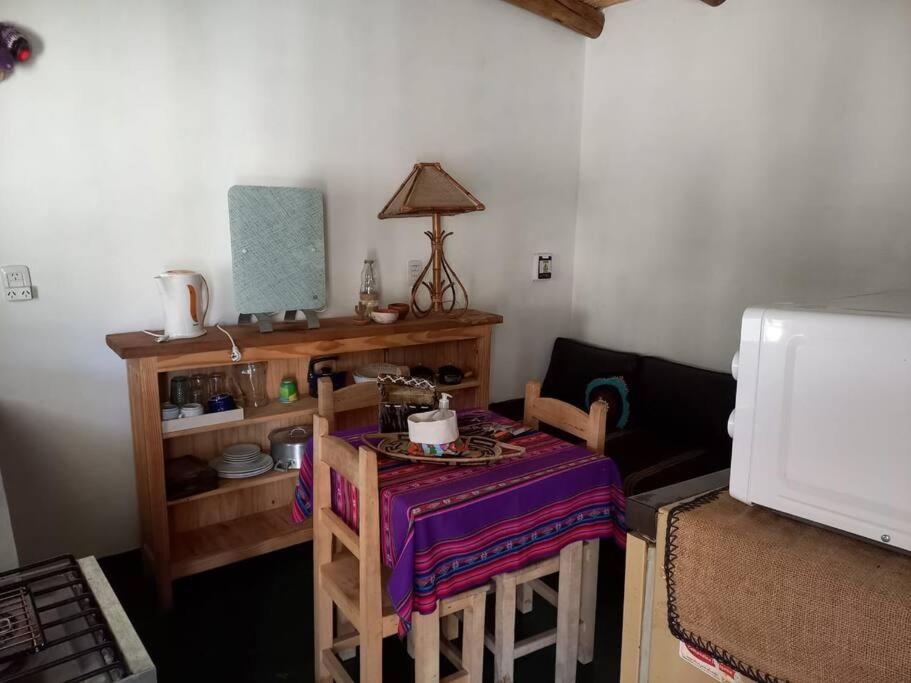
[[430, 191]]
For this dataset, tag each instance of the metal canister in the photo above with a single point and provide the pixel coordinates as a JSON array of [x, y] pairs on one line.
[[287, 391]]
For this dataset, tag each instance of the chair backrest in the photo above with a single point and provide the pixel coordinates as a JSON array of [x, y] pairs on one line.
[[358, 467], [590, 426], [330, 403]]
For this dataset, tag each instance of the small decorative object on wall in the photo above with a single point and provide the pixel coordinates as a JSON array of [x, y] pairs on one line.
[[14, 47], [430, 191]]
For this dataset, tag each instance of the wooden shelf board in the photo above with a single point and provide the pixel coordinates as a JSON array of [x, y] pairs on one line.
[[273, 411], [305, 407], [214, 546], [231, 485]]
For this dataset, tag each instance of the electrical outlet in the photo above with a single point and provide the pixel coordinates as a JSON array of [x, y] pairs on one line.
[[17, 283], [15, 276]]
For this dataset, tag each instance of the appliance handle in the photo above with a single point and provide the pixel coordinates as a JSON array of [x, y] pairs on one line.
[[205, 309]]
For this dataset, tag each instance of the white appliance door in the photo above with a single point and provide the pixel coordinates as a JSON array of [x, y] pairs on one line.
[[831, 437]]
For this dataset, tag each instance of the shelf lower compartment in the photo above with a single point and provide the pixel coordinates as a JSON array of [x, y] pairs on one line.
[[219, 544]]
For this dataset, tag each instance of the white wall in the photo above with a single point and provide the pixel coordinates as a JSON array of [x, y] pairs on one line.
[[753, 153], [117, 147]]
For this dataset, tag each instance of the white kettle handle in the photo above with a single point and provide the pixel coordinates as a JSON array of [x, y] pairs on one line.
[[205, 310]]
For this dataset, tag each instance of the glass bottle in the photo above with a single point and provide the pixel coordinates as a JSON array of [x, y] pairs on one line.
[[370, 291]]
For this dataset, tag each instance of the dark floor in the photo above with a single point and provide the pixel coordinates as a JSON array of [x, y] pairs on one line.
[[253, 621]]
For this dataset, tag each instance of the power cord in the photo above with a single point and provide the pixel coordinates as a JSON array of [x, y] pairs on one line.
[[235, 352], [159, 336]]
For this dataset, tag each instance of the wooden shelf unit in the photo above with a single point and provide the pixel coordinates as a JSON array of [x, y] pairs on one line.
[[243, 518]]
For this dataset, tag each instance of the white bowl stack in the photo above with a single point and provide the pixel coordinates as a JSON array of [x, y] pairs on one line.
[[242, 460]]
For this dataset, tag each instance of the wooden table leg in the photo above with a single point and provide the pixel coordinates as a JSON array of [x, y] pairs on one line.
[[590, 552], [473, 638], [568, 602], [504, 628], [426, 646], [525, 598]]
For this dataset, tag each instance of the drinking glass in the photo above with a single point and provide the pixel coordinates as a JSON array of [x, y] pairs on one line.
[[198, 393], [180, 390]]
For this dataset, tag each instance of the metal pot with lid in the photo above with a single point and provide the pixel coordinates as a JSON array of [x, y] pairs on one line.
[[289, 444]]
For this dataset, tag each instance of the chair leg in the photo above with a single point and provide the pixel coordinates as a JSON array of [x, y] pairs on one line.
[[450, 624], [568, 598], [504, 628], [344, 628], [473, 638], [525, 598], [323, 625], [590, 551], [427, 646]]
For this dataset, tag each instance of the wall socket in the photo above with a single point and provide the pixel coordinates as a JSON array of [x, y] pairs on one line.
[[17, 283], [18, 294]]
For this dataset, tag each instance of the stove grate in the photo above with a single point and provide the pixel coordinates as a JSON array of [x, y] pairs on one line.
[[20, 630], [52, 628]]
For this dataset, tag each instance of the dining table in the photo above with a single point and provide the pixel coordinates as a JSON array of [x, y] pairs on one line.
[[448, 529]]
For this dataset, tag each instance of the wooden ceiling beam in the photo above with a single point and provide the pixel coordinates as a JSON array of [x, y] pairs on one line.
[[573, 14]]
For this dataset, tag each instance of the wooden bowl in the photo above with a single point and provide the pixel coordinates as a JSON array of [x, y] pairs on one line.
[[403, 310], [384, 316]]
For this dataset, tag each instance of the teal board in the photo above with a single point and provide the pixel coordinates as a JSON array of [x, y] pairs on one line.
[[278, 248]]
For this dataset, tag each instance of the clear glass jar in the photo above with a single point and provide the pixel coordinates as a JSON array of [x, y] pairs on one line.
[[253, 385]]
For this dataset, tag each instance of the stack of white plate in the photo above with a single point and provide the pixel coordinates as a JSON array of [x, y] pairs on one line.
[[242, 460]]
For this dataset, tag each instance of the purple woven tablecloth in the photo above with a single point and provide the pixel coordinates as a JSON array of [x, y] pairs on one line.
[[445, 530]]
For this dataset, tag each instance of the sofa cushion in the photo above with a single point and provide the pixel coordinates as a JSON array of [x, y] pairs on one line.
[[574, 364], [686, 405]]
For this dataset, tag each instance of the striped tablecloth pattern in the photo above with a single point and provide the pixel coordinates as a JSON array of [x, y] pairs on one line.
[[448, 529]]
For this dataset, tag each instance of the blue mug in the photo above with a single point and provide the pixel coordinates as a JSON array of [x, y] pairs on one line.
[[219, 403]]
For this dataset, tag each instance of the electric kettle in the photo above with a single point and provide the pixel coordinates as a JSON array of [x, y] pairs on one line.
[[181, 296]]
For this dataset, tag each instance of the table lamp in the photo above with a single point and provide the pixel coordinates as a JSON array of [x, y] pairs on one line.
[[430, 191]]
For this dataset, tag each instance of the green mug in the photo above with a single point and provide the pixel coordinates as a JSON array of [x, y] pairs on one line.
[[287, 391]]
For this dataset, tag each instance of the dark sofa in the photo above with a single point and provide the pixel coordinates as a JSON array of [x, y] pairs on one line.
[[677, 427]]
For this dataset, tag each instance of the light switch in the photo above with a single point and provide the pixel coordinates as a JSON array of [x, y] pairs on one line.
[[543, 267]]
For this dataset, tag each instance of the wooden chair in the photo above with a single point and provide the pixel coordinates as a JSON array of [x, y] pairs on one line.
[[576, 596], [592, 427], [354, 579]]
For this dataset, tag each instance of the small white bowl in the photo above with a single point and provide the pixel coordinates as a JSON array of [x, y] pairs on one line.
[[384, 316]]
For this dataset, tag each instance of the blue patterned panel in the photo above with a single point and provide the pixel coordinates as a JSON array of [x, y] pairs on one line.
[[278, 248]]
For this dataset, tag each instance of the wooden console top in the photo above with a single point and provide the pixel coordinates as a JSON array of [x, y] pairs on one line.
[[140, 345]]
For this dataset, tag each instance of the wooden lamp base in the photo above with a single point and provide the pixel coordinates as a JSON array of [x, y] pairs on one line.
[[438, 278]]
